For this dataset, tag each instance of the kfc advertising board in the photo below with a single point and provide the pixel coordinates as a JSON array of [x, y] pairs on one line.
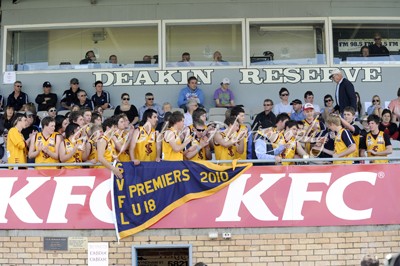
[[269, 196]]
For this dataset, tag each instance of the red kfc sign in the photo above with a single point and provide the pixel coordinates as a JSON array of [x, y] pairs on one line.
[[263, 196]]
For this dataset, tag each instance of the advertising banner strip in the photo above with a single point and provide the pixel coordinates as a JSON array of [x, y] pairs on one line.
[[151, 190], [262, 196]]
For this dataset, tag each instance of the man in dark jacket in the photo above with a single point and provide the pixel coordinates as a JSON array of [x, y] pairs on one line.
[[345, 94], [47, 99]]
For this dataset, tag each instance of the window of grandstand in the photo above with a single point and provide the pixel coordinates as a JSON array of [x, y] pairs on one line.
[[288, 42], [366, 42], [72, 48], [204, 43]]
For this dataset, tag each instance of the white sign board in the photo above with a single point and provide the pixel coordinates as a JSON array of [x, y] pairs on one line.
[[98, 254], [9, 77], [354, 45]]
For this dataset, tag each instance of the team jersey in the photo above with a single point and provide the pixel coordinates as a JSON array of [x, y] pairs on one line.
[[343, 140], [109, 152], [223, 153], [290, 151], [377, 143], [76, 157], [243, 156], [312, 132], [123, 156], [201, 154], [93, 152], [43, 157], [168, 153], [356, 137], [16, 147], [146, 146]]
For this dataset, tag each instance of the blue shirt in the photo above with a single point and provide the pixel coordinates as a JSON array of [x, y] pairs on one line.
[[297, 116]]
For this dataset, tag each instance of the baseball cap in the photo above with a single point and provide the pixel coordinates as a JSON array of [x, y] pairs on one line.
[[334, 72], [225, 81], [297, 101], [46, 84], [308, 106], [74, 81]]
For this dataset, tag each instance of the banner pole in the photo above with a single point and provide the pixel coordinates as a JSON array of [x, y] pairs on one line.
[[112, 177]]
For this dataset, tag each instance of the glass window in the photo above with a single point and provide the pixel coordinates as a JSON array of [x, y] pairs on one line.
[[366, 43], [88, 48], [290, 43], [200, 45]]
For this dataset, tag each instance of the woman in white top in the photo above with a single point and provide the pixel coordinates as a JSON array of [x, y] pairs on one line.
[[284, 106]]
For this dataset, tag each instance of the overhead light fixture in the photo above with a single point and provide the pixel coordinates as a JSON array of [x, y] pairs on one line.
[[286, 28]]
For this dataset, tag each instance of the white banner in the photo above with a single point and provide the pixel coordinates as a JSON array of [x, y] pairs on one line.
[[354, 45]]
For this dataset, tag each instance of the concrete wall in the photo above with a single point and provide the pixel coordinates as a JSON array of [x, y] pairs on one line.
[[248, 247]]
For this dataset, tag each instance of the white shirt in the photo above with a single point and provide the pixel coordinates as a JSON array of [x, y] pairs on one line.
[[281, 108]]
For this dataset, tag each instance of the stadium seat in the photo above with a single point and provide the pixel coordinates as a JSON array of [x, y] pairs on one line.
[[214, 118], [63, 112], [108, 113], [217, 111], [177, 109], [42, 114]]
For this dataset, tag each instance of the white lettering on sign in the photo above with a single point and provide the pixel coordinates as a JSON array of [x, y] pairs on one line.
[[354, 45], [298, 195]]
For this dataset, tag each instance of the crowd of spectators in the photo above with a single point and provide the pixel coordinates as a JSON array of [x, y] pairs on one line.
[[287, 130]]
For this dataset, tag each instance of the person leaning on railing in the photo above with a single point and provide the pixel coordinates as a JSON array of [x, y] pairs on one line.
[[16, 144]]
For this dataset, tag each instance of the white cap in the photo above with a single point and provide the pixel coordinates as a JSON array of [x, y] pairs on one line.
[[225, 81], [334, 72], [308, 106]]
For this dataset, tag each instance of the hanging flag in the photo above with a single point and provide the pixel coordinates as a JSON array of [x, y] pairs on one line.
[[149, 191]]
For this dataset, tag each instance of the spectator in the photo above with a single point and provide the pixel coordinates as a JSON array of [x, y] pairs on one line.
[[95, 133], [377, 48], [376, 107], [70, 96], [113, 59], [76, 117], [71, 151], [30, 128], [128, 109], [150, 104], [223, 96], [328, 103], [167, 107], [144, 146], [90, 58], [45, 144], [87, 116], [122, 137], [387, 126], [8, 117], [376, 142], [191, 91], [228, 145], [284, 106], [105, 147], [364, 51], [292, 145], [172, 146], [297, 113], [368, 260], [394, 107], [314, 127], [266, 118], [61, 124], [309, 98], [244, 131], [349, 122], [217, 59], [344, 146], [147, 58], [345, 94], [101, 97], [83, 101], [47, 99], [52, 112], [191, 106], [17, 98], [185, 61], [16, 144], [96, 119], [359, 111], [31, 108]]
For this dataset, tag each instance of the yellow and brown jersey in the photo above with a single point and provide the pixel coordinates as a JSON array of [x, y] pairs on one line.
[[146, 146], [43, 157]]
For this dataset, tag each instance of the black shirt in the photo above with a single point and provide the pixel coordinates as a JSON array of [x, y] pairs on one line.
[[102, 99], [88, 104], [44, 105], [375, 50], [264, 120], [19, 102], [131, 113], [69, 97]]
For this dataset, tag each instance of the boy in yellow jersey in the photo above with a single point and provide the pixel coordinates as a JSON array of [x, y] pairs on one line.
[[269, 143], [293, 147], [106, 153], [198, 149], [239, 113], [71, 149], [95, 133], [16, 144], [228, 145], [376, 142], [348, 122], [45, 146], [123, 137], [344, 145], [144, 145], [172, 146], [313, 127]]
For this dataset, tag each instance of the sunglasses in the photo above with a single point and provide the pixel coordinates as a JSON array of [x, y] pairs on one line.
[[150, 99], [267, 104], [52, 110], [285, 94], [327, 101], [375, 101], [200, 130], [18, 86], [377, 39], [125, 99], [75, 83], [84, 95]]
